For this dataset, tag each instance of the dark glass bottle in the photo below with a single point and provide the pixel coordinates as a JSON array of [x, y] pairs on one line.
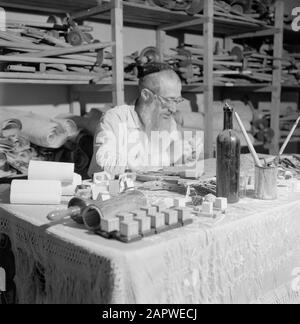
[[228, 160]]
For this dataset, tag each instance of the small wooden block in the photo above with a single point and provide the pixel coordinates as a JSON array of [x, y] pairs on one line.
[[114, 187], [169, 202], [149, 210], [110, 225], [144, 224], [157, 220], [101, 177], [125, 217], [180, 203], [207, 208], [104, 197], [129, 229], [171, 216], [184, 214], [139, 213], [221, 203], [159, 207]]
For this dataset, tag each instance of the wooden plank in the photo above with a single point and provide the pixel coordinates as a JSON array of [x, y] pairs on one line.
[[70, 50], [276, 94], [183, 25], [260, 33], [69, 76], [208, 76], [19, 58], [91, 12], [118, 64], [41, 82], [161, 43]]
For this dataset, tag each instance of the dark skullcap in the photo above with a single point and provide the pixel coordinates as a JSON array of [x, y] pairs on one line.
[[151, 68]]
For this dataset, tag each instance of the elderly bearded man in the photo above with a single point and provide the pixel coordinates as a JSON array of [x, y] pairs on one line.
[[144, 136]]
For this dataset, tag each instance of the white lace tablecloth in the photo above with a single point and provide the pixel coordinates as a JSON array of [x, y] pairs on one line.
[[251, 256]]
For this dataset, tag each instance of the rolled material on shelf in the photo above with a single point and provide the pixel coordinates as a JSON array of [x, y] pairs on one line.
[[127, 202], [35, 192], [69, 126], [42, 170], [40, 130]]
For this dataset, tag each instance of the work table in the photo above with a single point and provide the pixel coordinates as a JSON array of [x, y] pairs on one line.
[[248, 256]]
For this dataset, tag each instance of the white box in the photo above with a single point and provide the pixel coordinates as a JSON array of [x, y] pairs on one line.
[[183, 214], [180, 202], [171, 217], [221, 203], [207, 208], [139, 213], [129, 229], [157, 220], [144, 224], [159, 207], [110, 225], [125, 217], [150, 210], [169, 202]]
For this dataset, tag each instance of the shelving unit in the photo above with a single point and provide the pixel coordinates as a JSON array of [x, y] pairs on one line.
[[120, 13]]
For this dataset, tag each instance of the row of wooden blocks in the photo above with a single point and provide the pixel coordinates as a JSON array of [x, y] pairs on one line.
[[208, 208], [129, 227]]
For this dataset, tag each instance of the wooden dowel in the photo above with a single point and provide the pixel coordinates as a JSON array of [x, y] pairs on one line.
[[251, 147], [20, 68], [72, 50], [228, 63], [39, 81], [289, 137], [19, 58], [60, 67], [48, 76]]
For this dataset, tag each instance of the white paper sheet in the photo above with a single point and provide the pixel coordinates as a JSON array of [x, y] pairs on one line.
[[35, 192], [41, 170]]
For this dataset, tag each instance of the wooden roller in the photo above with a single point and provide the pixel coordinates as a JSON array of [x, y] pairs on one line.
[[127, 202], [76, 207]]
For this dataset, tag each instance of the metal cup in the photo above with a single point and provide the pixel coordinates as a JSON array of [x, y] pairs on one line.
[[266, 183]]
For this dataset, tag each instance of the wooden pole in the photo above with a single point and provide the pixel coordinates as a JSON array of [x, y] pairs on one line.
[[276, 94], [161, 42], [118, 64], [208, 76]]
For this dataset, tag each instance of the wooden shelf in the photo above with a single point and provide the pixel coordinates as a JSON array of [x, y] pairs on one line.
[[196, 87], [161, 20], [136, 14]]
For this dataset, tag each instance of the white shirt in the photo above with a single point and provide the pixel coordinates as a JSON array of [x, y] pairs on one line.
[[120, 143]]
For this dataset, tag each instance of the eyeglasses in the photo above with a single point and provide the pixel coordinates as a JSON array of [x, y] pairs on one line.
[[168, 101]]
